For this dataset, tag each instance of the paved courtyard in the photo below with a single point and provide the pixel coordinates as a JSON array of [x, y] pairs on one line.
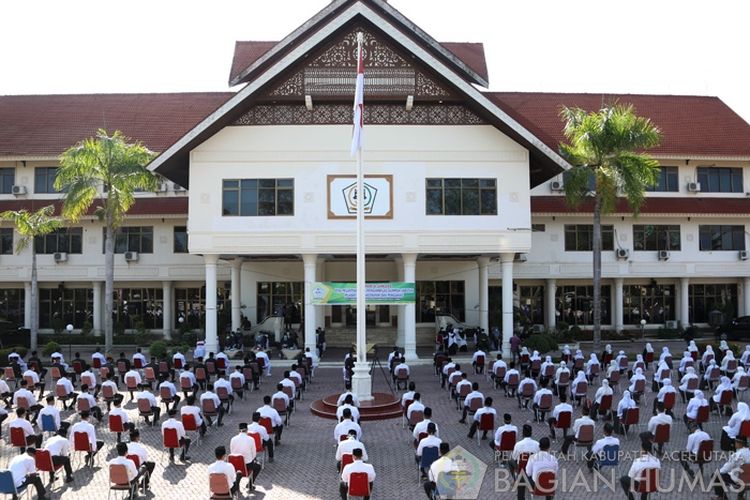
[[305, 465]]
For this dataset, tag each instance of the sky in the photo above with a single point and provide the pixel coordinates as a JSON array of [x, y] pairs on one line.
[[638, 46]]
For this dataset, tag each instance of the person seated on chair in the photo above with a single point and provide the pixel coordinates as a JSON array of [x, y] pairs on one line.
[[23, 470], [685, 395], [561, 407], [707, 374], [593, 456], [732, 429], [562, 369], [347, 446], [223, 382], [287, 382], [182, 439], [86, 427], [238, 375], [191, 409], [448, 365], [724, 385], [579, 422], [94, 409], [112, 384], [255, 427], [24, 392], [355, 399], [268, 411], [538, 395], [134, 474], [505, 384], [58, 358], [98, 355], [243, 444], [136, 448], [133, 374], [695, 403], [443, 464], [666, 388], [592, 367], [192, 382], [35, 360], [58, 447], [487, 409], [35, 380], [431, 440], [407, 396], [478, 353], [524, 402], [604, 390], [695, 437], [68, 390], [89, 376], [166, 383], [506, 427], [400, 366], [138, 355], [356, 466], [117, 411], [416, 405], [637, 376], [737, 379], [543, 370], [348, 403], [623, 406], [687, 359], [647, 460], [464, 381], [527, 445], [28, 430], [396, 353], [261, 354], [498, 364], [421, 427], [474, 394], [155, 408], [731, 470], [210, 394], [542, 461], [345, 424], [580, 377], [52, 410]]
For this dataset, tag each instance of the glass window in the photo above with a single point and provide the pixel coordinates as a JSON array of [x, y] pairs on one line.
[[720, 179], [668, 180], [654, 303], [531, 304], [132, 239], [281, 298], [7, 180], [12, 305], [136, 306], [62, 306], [180, 244], [44, 179], [574, 304], [440, 296], [708, 299], [190, 306], [467, 196], [258, 197], [721, 237], [580, 237], [656, 237], [64, 239], [6, 240]]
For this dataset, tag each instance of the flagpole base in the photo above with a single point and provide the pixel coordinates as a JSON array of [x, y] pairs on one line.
[[362, 381]]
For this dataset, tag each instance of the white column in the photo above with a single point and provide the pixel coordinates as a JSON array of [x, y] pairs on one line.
[[684, 302], [27, 305], [400, 309], [166, 309], [310, 262], [236, 288], [746, 295], [98, 307], [484, 303], [320, 312], [410, 311], [550, 290], [506, 267], [618, 306], [212, 339]]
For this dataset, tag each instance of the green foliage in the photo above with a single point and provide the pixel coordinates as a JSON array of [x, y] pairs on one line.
[[58, 325], [31, 224], [158, 348], [87, 328], [22, 351], [189, 338], [669, 333], [50, 347], [183, 348], [542, 342]]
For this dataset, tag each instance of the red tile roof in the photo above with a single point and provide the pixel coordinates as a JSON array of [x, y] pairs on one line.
[[46, 125], [654, 205], [691, 125], [246, 53], [153, 205]]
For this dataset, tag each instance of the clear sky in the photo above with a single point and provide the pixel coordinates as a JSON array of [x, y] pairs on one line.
[[638, 46]]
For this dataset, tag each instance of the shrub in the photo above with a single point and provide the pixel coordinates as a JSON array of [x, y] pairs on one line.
[[58, 325], [23, 350], [87, 328], [179, 348], [189, 338], [158, 349], [50, 347], [542, 342]]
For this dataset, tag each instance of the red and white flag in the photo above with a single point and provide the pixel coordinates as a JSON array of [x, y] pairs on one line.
[[359, 105]]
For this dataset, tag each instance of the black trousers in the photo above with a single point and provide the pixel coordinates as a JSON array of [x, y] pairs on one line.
[[149, 466], [254, 468], [268, 444], [128, 426], [157, 413], [36, 440], [36, 481], [721, 490], [175, 402], [429, 488], [625, 482], [65, 462], [344, 491], [727, 443], [279, 429], [185, 444]]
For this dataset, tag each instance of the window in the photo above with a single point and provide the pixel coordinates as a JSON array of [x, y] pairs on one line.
[[654, 303], [258, 197], [67, 239], [283, 298], [44, 179], [62, 306], [720, 179], [6, 241], [538, 228], [180, 243], [12, 305], [580, 237], [461, 197], [574, 304], [133, 306], [668, 180], [440, 296], [650, 237], [7, 180], [132, 239], [716, 237], [190, 306], [591, 179], [709, 301], [531, 305]]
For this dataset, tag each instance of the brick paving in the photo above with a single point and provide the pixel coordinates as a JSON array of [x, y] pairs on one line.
[[305, 465]]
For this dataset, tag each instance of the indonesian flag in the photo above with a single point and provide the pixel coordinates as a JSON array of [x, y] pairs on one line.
[[359, 105]]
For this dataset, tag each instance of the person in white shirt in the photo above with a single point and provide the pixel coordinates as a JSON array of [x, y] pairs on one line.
[[561, 408], [499, 364], [5, 393], [691, 411], [58, 447], [222, 355], [635, 384], [731, 470], [662, 372], [542, 461], [288, 383], [575, 393], [355, 399], [225, 386], [28, 430], [256, 428], [526, 446], [660, 418], [155, 408], [478, 366], [474, 394], [243, 444], [136, 448], [23, 469], [579, 423], [685, 394], [134, 375], [261, 354], [443, 464], [592, 367], [646, 461], [624, 405], [134, 474], [562, 378], [396, 353], [724, 385], [511, 373], [36, 382], [357, 466], [117, 411], [430, 441], [98, 355], [604, 390], [60, 359], [348, 404], [416, 405], [288, 403], [737, 378], [695, 437], [666, 388], [745, 358], [52, 411], [189, 408], [343, 427], [24, 392], [112, 385], [85, 426], [267, 411], [237, 381], [619, 361], [211, 395], [548, 366], [401, 367], [685, 362], [140, 357], [68, 389], [190, 385], [447, 366], [596, 453], [710, 372], [506, 427], [728, 364], [732, 429], [88, 377], [167, 385], [487, 409], [405, 397], [94, 409], [462, 385], [183, 362], [539, 412], [182, 439], [421, 427], [523, 401], [221, 466], [346, 447]]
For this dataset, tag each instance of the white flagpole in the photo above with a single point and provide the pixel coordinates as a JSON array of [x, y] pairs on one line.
[[361, 283]]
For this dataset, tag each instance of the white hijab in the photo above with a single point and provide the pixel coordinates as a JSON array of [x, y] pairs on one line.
[[729, 355], [639, 358], [579, 353], [743, 411], [686, 355], [692, 347], [580, 377], [666, 382], [709, 349], [698, 394], [690, 370], [593, 359], [548, 359], [524, 350], [639, 372], [723, 346], [605, 382], [724, 385], [648, 347], [566, 349], [608, 348], [626, 401]]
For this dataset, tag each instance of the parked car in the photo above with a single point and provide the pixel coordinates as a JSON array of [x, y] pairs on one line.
[[737, 329]]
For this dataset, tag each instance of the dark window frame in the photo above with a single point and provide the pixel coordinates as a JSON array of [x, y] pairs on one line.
[[582, 237], [717, 236], [655, 237], [669, 181], [7, 180], [131, 239], [720, 179], [64, 239], [6, 241], [43, 183], [275, 200], [461, 190], [179, 246]]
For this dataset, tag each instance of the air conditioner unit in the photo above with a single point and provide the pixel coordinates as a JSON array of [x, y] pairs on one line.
[[521, 257], [131, 256], [622, 253], [61, 257], [19, 190], [694, 187], [671, 324], [663, 254], [743, 254], [556, 186], [177, 187]]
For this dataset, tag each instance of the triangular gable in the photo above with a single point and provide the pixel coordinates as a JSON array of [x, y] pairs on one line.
[[173, 163]]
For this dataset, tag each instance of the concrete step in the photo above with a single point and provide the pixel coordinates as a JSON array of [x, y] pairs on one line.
[[345, 337]]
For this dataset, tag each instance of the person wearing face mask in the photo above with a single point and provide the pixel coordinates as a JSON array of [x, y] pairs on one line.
[[691, 411]]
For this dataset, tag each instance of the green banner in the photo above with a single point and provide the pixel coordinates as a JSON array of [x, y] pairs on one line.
[[398, 292]]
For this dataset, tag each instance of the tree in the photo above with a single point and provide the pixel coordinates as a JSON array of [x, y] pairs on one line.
[[605, 149], [106, 170], [30, 225]]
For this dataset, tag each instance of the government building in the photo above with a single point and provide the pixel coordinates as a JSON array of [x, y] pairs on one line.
[[464, 196]]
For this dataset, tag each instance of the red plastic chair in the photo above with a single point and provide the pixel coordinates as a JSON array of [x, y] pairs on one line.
[[268, 424], [108, 394], [43, 460], [359, 484], [702, 415], [725, 401], [507, 441], [96, 363], [115, 424], [669, 400], [563, 421], [149, 375], [137, 363], [259, 448], [632, 416], [486, 424], [745, 428], [546, 484], [606, 404], [661, 434], [346, 459], [170, 440], [144, 408], [83, 405], [219, 487], [705, 453], [648, 481], [81, 444], [238, 462], [119, 481], [191, 425], [135, 459], [280, 406], [17, 437]]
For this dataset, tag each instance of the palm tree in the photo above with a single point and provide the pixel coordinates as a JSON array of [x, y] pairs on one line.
[[605, 149], [30, 225], [108, 170]]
